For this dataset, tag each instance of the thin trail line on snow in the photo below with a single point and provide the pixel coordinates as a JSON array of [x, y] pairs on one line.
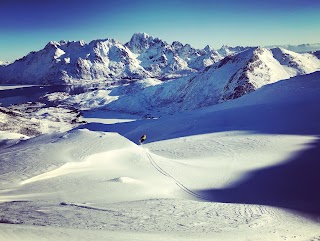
[[163, 172]]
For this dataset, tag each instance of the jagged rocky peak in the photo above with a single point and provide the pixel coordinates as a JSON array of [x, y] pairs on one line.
[[226, 50], [64, 44], [177, 45], [208, 49], [259, 50], [72, 43], [106, 40], [183, 49], [52, 44], [141, 42], [101, 43]]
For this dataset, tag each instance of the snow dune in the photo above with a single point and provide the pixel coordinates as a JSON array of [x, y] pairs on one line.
[[122, 172]]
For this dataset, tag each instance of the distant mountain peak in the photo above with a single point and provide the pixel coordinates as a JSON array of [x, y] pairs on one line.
[[209, 48], [51, 44], [143, 56], [139, 42], [224, 46], [177, 44], [67, 43], [301, 48], [141, 35]]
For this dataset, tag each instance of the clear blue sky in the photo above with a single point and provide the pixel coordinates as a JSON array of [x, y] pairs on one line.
[[27, 25]]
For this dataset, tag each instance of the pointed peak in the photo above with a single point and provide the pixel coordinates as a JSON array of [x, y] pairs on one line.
[[52, 44], [61, 43], [208, 48], [177, 44], [139, 42], [68, 42], [140, 36]]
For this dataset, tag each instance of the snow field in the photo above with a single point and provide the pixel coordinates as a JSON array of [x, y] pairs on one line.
[[161, 218], [94, 182], [115, 185]]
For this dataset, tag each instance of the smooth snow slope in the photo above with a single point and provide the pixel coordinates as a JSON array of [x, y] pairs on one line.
[[266, 121], [182, 182]]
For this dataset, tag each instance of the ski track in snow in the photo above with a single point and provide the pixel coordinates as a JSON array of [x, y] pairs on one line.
[[163, 172], [160, 214]]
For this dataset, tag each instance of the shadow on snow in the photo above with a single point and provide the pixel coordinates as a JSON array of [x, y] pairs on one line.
[[294, 185]]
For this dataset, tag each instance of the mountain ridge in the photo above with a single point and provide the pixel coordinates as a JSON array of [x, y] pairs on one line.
[[230, 78], [74, 62], [300, 48], [201, 77]]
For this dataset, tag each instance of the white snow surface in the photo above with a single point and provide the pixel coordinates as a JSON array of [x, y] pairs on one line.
[[224, 172]]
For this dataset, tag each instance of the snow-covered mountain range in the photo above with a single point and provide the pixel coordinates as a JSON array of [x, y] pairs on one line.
[[212, 76], [67, 62], [163, 59], [230, 78], [301, 48], [107, 59]]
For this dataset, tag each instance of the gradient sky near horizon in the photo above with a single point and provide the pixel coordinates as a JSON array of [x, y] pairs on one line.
[[28, 25]]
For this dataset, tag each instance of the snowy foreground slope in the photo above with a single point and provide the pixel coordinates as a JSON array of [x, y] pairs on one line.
[[246, 169]]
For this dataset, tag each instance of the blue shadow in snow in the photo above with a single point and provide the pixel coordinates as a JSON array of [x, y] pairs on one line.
[[298, 119], [294, 185]]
